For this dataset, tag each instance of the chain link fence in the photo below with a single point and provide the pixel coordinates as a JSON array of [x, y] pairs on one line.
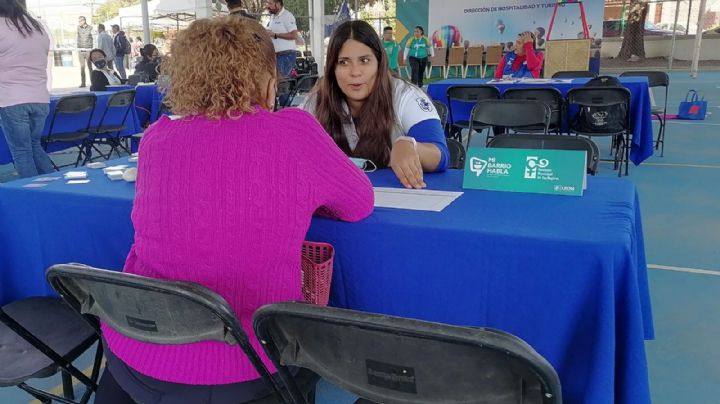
[[658, 34]]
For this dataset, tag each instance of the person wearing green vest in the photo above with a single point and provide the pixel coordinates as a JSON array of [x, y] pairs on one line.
[[418, 49], [391, 48]]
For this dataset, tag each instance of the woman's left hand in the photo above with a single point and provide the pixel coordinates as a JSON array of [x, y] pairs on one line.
[[405, 162]]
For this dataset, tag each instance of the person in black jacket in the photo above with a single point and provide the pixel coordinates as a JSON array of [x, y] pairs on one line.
[[148, 67], [122, 49], [102, 76]]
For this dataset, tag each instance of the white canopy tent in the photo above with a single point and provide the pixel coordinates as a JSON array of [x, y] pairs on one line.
[[204, 9]]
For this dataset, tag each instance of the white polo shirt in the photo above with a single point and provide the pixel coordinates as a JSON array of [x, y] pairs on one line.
[[282, 23], [411, 106]]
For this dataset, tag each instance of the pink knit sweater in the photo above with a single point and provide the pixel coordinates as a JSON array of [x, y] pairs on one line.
[[227, 204]]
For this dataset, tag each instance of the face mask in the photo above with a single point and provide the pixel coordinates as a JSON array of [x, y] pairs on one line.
[[363, 164], [100, 64]]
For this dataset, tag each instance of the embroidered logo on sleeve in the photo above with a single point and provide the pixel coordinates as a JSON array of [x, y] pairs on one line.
[[424, 104]]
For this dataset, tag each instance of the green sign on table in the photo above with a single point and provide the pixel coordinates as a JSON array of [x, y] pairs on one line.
[[558, 172]]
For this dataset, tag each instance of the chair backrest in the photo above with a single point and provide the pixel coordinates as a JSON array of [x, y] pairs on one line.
[[303, 85], [655, 78], [493, 54], [602, 110], [285, 87], [121, 99], [457, 154], [512, 114], [456, 56], [574, 74], [442, 111], [604, 81], [439, 58], [472, 93], [152, 310], [554, 142], [469, 93], [400, 360], [82, 106], [475, 55], [552, 97]]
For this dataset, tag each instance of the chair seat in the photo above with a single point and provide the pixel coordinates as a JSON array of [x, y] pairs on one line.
[[66, 137], [106, 129], [52, 322]]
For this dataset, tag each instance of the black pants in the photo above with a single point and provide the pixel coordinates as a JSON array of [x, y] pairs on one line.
[[121, 384], [417, 68]]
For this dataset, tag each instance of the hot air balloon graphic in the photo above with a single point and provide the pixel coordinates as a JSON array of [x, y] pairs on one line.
[[500, 26], [446, 36]]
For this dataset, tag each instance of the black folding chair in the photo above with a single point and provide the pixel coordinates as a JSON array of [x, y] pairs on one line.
[[457, 154], [604, 111], [550, 96], [574, 74], [398, 360], [77, 112], [554, 142], [442, 111], [656, 79], [108, 130], [513, 115], [284, 90], [466, 94], [303, 86], [40, 336], [157, 311]]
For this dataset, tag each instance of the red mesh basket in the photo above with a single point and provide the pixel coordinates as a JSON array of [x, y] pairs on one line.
[[317, 266]]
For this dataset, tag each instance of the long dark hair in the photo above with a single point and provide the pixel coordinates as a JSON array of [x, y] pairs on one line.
[[375, 121], [19, 17], [147, 51]]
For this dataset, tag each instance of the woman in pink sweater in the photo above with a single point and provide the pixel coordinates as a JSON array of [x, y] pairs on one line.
[[225, 195]]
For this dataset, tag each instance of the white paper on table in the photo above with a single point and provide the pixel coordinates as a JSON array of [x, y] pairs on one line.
[[72, 182], [75, 175], [414, 199]]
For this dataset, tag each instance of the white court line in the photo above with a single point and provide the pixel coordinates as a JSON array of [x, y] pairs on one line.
[[669, 165], [675, 122], [680, 165], [683, 269]]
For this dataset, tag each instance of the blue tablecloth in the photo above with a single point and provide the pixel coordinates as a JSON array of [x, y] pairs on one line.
[[566, 274], [640, 107], [113, 118]]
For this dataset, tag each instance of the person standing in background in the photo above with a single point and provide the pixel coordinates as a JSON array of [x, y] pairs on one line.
[[105, 42], [122, 48], [283, 31], [135, 51], [84, 44], [391, 48], [24, 97], [418, 49]]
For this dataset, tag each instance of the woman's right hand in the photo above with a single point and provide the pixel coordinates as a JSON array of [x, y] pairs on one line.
[[405, 163]]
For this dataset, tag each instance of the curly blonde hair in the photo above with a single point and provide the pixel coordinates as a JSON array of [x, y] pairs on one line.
[[219, 67]]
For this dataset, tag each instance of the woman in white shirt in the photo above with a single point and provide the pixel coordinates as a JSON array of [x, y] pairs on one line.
[[103, 76], [372, 115]]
